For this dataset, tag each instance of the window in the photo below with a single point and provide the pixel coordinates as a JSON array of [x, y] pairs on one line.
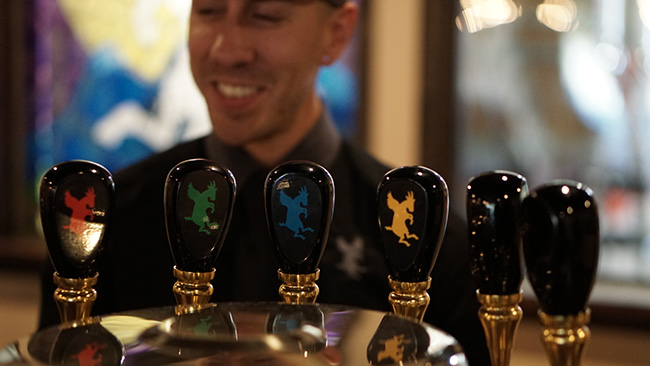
[[559, 89]]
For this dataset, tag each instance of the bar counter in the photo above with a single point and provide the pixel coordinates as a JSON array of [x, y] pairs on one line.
[[240, 334]]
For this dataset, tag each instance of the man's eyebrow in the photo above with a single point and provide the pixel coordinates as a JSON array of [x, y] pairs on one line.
[[282, 1], [272, 1]]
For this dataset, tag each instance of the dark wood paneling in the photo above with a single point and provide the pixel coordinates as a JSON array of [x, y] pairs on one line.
[[439, 93], [17, 223], [12, 114]]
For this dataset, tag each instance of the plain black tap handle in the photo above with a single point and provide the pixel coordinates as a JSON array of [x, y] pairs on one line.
[[299, 201], [76, 201], [561, 243], [413, 205], [493, 217], [199, 198]]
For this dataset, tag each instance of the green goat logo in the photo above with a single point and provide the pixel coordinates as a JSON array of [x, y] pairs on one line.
[[201, 206]]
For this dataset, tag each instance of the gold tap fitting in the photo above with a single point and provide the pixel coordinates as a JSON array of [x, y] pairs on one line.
[[299, 288], [409, 299], [192, 290], [500, 316], [75, 298], [565, 337]]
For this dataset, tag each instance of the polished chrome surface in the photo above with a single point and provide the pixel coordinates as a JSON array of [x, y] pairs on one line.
[[241, 334]]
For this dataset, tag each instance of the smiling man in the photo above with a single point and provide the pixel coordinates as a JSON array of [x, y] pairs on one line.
[[255, 62]]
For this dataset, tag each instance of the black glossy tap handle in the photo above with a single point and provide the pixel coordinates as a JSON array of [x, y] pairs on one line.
[[76, 200], [287, 317], [413, 205], [299, 197], [199, 198], [73, 345], [561, 244], [306, 318], [397, 342], [208, 323], [493, 217]]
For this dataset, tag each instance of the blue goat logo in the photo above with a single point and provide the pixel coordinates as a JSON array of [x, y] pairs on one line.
[[295, 208]]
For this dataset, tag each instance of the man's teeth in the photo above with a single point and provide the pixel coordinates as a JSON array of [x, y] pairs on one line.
[[236, 91]]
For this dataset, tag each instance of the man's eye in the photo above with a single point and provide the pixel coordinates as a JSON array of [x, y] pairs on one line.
[[206, 11], [270, 13], [268, 17], [208, 8]]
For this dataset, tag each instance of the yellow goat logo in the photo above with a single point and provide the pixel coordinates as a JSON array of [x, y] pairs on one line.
[[402, 212]]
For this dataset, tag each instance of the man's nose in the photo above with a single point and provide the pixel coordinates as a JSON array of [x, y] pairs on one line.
[[232, 46]]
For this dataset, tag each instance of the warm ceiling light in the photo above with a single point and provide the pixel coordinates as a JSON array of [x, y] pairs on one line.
[[482, 14], [558, 15]]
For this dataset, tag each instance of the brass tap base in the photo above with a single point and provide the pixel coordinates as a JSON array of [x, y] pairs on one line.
[[565, 337], [192, 290], [409, 299], [500, 316], [299, 288], [75, 298]]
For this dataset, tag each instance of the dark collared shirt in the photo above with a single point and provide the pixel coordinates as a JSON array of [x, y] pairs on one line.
[[321, 145]]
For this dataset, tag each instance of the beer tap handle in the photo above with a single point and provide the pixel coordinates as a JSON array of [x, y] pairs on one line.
[[76, 199], [413, 205], [561, 242], [493, 215], [299, 201], [76, 202], [199, 198]]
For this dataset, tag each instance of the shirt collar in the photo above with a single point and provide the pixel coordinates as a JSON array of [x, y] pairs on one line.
[[320, 145]]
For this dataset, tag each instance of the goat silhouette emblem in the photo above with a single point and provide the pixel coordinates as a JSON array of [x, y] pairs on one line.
[[81, 209], [393, 349], [90, 356], [201, 206], [205, 327], [295, 208], [402, 212]]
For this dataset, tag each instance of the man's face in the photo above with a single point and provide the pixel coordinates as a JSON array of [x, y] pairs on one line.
[[255, 61]]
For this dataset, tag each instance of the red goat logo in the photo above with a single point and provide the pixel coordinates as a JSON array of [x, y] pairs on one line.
[[90, 356], [81, 209]]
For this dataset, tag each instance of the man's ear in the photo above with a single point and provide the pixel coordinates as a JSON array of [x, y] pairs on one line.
[[341, 28]]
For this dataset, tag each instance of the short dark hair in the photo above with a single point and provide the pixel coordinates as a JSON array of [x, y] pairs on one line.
[[336, 3]]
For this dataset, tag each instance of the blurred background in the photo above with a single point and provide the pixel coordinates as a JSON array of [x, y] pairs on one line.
[[551, 89]]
